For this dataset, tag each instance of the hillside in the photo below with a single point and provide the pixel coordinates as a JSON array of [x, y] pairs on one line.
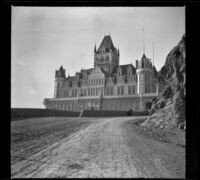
[[168, 109]]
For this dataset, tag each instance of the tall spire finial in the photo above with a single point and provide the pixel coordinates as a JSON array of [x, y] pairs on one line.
[[153, 53], [143, 42]]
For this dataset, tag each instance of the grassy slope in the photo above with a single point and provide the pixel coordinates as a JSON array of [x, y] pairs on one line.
[[31, 135]]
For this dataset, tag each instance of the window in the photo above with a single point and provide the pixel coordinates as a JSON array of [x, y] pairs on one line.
[[122, 90], [106, 91], [129, 70], [111, 90], [136, 105], [118, 90], [129, 89], [133, 89], [142, 64], [66, 93], [76, 92], [93, 91], [89, 93], [96, 92]]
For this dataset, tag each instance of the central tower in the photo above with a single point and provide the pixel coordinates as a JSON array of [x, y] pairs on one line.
[[106, 56]]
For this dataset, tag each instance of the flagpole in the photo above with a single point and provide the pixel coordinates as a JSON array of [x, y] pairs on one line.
[[143, 42]]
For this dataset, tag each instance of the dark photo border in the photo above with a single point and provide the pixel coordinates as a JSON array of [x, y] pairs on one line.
[[192, 69]]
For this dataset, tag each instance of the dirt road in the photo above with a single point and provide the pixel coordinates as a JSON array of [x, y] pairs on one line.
[[107, 148]]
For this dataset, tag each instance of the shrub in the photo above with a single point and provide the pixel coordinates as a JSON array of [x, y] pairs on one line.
[[129, 112]]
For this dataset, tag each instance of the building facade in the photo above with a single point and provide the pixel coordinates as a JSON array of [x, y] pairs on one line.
[[106, 86]]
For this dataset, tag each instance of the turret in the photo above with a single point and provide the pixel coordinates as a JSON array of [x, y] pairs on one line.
[[145, 75]]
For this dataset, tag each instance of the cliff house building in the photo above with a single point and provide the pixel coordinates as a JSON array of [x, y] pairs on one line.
[[106, 86]]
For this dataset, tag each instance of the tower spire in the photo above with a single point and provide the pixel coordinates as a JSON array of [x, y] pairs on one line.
[[153, 53]]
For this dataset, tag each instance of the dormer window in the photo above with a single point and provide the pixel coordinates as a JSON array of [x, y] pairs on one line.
[[129, 71], [119, 71], [77, 76]]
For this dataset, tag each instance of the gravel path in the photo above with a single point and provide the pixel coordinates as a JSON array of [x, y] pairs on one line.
[[107, 148]]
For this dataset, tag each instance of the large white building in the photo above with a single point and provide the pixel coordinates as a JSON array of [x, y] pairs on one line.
[[106, 86]]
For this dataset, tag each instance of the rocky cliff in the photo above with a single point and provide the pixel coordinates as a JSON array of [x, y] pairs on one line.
[[168, 109]]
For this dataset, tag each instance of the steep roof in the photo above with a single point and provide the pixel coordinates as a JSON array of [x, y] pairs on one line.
[[144, 58], [86, 70], [114, 72], [124, 69], [103, 71], [106, 43], [60, 73], [71, 78]]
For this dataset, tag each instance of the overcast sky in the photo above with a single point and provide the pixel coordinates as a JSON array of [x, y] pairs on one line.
[[44, 38]]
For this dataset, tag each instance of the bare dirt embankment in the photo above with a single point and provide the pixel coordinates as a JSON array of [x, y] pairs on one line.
[[170, 135], [103, 147]]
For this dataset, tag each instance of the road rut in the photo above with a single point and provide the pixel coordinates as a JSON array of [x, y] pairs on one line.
[[108, 148]]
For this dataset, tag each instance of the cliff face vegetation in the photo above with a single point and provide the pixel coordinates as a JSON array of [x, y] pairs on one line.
[[168, 109]]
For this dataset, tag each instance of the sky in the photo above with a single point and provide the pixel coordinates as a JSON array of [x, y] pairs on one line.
[[44, 38]]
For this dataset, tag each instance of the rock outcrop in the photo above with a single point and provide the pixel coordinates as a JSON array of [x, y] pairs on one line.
[[168, 109]]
